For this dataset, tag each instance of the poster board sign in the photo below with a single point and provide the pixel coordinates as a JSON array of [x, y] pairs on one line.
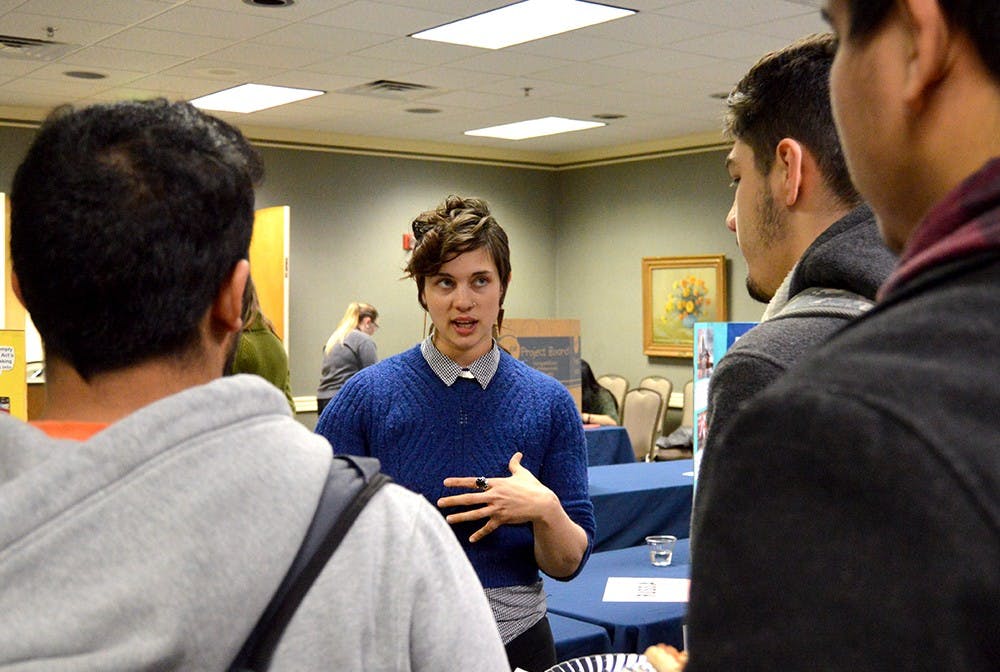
[[711, 341], [13, 377], [551, 346]]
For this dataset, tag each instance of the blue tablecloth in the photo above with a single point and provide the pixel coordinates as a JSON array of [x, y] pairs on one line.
[[577, 638], [608, 445], [638, 499], [632, 626]]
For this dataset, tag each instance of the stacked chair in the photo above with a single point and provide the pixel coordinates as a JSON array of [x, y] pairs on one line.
[[665, 387], [617, 386], [642, 419]]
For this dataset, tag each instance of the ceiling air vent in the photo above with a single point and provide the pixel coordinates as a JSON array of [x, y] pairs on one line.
[[29, 48], [387, 88]]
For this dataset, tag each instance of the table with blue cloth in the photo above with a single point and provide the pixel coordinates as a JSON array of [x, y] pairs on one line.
[[608, 445], [575, 638], [638, 499], [632, 626]]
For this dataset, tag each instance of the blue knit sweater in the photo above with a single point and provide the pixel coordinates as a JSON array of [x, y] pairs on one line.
[[424, 431]]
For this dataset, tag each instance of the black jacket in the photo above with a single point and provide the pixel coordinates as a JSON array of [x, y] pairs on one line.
[[853, 517]]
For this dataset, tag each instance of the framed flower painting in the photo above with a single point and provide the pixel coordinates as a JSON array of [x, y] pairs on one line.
[[676, 293]]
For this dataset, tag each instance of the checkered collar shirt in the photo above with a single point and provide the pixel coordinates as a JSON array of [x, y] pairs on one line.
[[482, 370]]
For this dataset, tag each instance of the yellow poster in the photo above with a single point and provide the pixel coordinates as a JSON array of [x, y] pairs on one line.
[[13, 378]]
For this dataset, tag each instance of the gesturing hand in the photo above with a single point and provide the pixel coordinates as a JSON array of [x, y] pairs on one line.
[[519, 498]]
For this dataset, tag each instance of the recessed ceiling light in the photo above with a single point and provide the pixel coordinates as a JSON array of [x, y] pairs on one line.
[[85, 74], [608, 116], [721, 95], [534, 128], [252, 98], [423, 110], [270, 3], [522, 22]]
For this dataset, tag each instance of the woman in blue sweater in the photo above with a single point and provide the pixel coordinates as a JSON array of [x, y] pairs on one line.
[[497, 445]]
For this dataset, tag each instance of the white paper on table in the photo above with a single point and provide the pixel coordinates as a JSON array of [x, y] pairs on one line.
[[635, 589]]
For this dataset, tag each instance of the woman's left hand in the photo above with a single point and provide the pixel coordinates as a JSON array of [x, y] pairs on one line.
[[519, 498]]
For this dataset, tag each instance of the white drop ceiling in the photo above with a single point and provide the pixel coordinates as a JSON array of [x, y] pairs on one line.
[[658, 68]]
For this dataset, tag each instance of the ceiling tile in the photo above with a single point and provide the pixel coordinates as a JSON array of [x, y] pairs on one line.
[[234, 25], [381, 17], [652, 60], [72, 31], [510, 63], [659, 67], [417, 51], [104, 57], [122, 12], [736, 14], [329, 39], [294, 12], [165, 42], [253, 53]]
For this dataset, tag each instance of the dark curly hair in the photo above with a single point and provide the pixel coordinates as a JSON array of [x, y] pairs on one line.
[[125, 220]]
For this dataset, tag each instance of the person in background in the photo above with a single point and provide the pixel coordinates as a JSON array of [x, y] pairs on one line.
[[349, 349], [853, 522], [598, 405], [150, 515], [456, 413], [259, 350], [799, 223]]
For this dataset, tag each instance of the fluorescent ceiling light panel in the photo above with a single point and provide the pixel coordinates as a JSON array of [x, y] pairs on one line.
[[534, 128], [248, 98], [522, 22]]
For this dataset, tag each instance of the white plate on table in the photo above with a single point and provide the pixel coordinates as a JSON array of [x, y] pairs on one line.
[[606, 662]]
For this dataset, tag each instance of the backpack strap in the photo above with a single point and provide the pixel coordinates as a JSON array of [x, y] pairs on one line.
[[824, 302], [351, 483]]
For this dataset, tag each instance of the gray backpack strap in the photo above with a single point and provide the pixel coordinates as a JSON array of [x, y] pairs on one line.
[[823, 302], [351, 483]]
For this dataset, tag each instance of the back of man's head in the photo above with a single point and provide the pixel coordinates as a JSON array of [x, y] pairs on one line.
[[786, 95], [125, 220], [979, 19]]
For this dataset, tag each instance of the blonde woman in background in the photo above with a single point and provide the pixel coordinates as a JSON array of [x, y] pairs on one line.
[[349, 349]]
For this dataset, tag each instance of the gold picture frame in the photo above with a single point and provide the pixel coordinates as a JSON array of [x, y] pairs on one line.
[[676, 293]]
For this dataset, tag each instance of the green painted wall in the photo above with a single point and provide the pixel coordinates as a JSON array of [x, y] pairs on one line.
[[577, 239]]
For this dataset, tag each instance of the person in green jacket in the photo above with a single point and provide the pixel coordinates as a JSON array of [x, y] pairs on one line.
[[259, 350]]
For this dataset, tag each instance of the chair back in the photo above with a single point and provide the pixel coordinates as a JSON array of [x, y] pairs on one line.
[[641, 419], [665, 387], [687, 415], [617, 386]]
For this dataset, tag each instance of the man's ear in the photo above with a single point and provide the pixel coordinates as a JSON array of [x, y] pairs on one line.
[[227, 309], [929, 47], [788, 163]]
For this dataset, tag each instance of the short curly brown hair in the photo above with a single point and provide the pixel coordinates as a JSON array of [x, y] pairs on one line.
[[456, 226]]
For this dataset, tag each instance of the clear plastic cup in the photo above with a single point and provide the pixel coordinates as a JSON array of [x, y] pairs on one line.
[[661, 549]]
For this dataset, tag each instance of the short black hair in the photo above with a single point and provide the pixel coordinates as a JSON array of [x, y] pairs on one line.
[[980, 19], [126, 218], [786, 94]]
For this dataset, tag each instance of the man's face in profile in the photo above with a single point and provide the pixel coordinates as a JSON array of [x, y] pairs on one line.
[[757, 221], [866, 96]]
